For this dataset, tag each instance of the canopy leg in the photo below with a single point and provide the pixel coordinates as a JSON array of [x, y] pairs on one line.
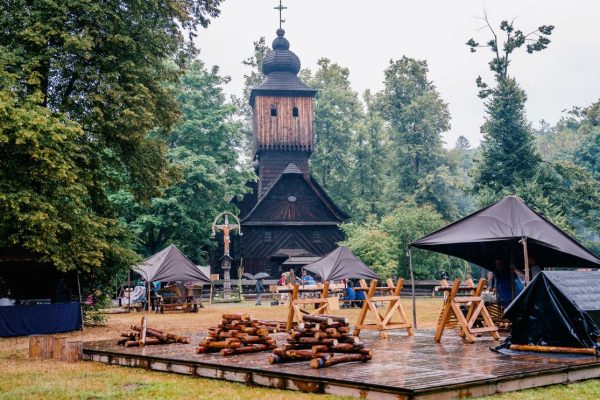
[[412, 280], [526, 260], [129, 290]]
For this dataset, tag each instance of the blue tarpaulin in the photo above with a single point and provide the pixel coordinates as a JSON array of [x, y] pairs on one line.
[[23, 320]]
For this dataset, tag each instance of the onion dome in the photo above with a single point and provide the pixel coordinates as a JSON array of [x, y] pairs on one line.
[[281, 59], [281, 67]]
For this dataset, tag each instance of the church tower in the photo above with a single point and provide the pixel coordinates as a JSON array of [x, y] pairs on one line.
[[282, 110], [288, 220]]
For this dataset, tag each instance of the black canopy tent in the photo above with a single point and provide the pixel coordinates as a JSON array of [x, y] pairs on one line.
[[169, 265], [558, 308], [507, 229], [341, 263]]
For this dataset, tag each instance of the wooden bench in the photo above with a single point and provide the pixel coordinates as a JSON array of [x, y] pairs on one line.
[[176, 301], [453, 316]]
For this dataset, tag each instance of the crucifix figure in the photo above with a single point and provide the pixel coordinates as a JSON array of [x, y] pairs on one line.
[[226, 228], [280, 8]]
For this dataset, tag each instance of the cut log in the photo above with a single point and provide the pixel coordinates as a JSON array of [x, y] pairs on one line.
[[279, 357], [314, 341], [329, 361], [553, 349], [238, 317], [150, 341], [318, 319], [245, 349], [349, 339]]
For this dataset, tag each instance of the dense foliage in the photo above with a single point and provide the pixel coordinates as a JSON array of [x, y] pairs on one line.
[[204, 148]]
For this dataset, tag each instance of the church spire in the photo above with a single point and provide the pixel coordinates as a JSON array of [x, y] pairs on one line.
[[280, 8]]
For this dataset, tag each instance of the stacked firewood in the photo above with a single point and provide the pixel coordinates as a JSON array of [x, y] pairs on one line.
[[143, 335], [238, 334], [324, 340], [273, 326]]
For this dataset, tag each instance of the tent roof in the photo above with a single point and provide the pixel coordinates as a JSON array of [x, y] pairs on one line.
[[340, 264], [170, 264], [495, 231], [558, 308]]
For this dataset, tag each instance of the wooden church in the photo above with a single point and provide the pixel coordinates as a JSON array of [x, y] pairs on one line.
[[288, 220]]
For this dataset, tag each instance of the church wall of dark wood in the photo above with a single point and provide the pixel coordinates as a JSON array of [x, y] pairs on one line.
[[273, 163], [292, 200]]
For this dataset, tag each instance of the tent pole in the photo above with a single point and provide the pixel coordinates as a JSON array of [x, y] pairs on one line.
[[149, 283], [526, 260], [129, 290], [412, 280], [80, 303]]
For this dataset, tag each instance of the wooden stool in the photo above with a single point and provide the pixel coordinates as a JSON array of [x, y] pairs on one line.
[[477, 310], [323, 303], [383, 323]]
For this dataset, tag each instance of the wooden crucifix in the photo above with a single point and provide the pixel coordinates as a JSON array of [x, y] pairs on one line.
[[226, 228]]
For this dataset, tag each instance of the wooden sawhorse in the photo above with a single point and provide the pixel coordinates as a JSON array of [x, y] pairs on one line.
[[323, 303], [383, 323], [452, 310]]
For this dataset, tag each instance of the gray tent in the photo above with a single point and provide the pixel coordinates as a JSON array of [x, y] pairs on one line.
[[508, 229], [340, 264], [170, 264]]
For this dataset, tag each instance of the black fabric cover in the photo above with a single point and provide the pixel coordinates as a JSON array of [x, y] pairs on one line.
[[341, 263], [39, 319], [558, 308], [168, 265], [495, 231]]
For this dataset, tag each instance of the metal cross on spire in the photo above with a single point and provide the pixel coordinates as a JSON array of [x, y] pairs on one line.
[[280, 8]]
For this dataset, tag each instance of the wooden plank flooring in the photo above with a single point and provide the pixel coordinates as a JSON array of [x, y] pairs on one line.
[[402, 367]]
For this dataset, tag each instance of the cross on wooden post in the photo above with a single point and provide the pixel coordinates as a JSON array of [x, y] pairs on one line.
[[280, 8], [226, 228]]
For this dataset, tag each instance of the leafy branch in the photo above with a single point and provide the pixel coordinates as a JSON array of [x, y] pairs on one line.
[[504, 43]]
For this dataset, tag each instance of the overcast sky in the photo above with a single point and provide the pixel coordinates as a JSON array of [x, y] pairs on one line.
[[364, 35]]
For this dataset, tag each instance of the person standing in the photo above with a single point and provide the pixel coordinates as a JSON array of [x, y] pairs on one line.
[[260, 289]]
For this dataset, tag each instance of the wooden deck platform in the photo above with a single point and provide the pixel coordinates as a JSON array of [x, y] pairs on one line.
[[402, 367]]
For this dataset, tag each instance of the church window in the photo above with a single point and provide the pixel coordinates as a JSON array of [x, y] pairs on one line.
[[268, 236], [316, 236], [295, 111], [273, 111]]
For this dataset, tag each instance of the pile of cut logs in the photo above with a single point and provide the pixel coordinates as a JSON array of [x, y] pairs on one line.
[[324, 340], [239, 334], [143, 335]]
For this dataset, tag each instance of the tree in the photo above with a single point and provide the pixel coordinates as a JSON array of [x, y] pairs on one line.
[[508, 154], [383, 243], [251, 80], [337, 112], [462, 143], [203, 147], [370, 152], [82, 84], [508, 157], [417, 116]]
